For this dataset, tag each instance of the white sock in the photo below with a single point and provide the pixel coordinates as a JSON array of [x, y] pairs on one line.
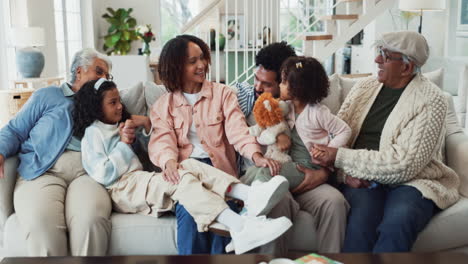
[[239, 191], [230, 219]]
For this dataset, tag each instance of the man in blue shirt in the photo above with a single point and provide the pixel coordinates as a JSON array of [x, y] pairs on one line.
[[51, 199]]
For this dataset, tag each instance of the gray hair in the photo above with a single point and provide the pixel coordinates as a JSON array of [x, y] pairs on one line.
[[84, 58]]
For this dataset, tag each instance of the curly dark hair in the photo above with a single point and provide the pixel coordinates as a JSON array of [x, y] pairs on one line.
[[307, 79], [272, 56], [88, 106], [173, 58]]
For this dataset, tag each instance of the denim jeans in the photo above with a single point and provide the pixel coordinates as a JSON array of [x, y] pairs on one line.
[[385, 219], [190, 241]]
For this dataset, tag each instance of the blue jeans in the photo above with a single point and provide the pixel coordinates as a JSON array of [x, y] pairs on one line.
[[385, 219], [190, 241]]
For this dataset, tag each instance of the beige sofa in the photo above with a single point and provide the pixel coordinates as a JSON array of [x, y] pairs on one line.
[[144, 235]]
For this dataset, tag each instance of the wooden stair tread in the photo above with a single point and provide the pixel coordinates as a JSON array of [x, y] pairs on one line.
[[340, 17], [318, 37]]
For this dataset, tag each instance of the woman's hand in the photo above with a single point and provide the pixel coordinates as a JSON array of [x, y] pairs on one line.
[[263, 162], [127, 131], [143, 121], [171, 173]]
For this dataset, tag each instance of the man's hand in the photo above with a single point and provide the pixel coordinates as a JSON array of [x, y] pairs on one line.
[[323, 155], [2, 167], [171, 173], [127, 131], [312, 179], [263, 162], [356, 183], [283, 142]]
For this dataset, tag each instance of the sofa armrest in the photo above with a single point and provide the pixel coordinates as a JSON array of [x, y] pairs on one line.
[[7, 186], [457, 158]]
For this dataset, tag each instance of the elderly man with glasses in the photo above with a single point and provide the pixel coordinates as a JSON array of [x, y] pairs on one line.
[[60, 209], [393, 173]]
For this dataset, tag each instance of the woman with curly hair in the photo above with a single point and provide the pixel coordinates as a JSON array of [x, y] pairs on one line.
[[197, 119], [108, 158]]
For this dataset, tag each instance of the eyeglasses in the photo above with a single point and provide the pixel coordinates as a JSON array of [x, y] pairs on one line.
[[387, 57], [100, 72]]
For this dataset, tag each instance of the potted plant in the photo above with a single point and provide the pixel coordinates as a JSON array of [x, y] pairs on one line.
[[121, 32]]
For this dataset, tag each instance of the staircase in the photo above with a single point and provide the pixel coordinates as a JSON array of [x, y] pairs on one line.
[[352, 17], [320, 28]]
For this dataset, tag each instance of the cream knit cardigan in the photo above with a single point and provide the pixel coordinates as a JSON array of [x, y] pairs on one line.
[[410, 145]]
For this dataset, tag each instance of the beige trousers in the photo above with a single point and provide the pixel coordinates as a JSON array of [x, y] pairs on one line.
[[329, 209], [201, 190], [64, 201]]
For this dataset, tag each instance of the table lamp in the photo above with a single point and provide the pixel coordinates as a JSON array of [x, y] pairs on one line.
[[29, 59], [420, 5]]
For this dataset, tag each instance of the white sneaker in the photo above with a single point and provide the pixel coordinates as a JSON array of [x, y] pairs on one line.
[[229, 247], [258, 231], [263, 196]]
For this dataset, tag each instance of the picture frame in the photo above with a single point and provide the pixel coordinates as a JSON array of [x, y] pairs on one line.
[[235, 29], [462, 19]]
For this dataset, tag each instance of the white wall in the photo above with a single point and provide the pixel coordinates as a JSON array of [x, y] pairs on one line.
[[41, 14], [435, 28], [144, 11]]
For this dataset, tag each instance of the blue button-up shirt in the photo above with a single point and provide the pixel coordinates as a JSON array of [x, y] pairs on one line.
[[40, 131]]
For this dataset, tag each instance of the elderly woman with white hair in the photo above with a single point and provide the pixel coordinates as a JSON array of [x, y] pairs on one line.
[[394, 176], [54, 204]]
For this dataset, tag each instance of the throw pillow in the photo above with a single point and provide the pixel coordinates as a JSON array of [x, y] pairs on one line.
[[347, 84], [333, 100], [437, 77], [134, 99], [152, 93]]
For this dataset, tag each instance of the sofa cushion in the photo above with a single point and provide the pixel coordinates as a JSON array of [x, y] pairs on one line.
[[446, 230], [347, 84], [333, 100], [15, 239], [7, 186], [134, 99], [152, 93], [437, 77], [134, 234]]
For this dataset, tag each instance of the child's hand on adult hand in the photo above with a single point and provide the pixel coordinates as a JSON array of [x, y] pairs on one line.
[[323, 155], [127, 131]]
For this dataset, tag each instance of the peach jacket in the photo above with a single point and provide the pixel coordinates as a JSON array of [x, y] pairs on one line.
[[220, 125]]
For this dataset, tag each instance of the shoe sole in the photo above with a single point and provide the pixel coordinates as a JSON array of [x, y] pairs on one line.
[[283, 187], [277, 233]]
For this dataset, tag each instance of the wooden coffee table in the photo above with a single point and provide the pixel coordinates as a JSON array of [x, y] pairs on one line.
[[396, 258]]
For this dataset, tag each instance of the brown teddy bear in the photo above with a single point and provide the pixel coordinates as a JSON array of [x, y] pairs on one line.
[[269, 114]]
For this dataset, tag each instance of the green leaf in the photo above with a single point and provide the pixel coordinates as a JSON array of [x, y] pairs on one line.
[[131, 22], [126, 35], [111, 10], [111, 29]]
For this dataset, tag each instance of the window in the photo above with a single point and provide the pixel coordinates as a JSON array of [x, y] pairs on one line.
[[177, 13], [68, 32], [7, 51]]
